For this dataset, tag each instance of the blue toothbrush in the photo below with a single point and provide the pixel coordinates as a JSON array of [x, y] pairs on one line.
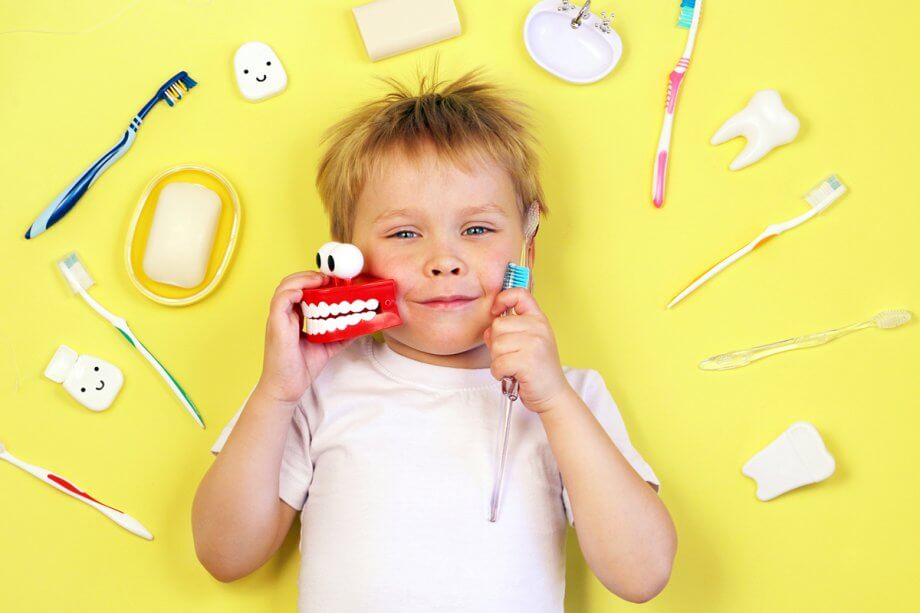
[[171, 92]]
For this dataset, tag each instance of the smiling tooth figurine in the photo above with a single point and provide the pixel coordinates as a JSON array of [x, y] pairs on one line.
[[259, 73], [92, 382]]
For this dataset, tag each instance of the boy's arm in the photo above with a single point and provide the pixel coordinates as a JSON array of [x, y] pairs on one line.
[[624, 530], [238, 519]]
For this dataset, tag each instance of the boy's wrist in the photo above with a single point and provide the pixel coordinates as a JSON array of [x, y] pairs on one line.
[[265, 393]]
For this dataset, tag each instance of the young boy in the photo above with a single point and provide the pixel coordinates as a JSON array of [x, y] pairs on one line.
[[387, 450]]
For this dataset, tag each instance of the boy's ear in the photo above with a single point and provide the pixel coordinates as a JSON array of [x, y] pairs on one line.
[[531, 253]]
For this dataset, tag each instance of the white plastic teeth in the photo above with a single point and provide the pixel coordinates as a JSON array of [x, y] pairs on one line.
[[323, 318]]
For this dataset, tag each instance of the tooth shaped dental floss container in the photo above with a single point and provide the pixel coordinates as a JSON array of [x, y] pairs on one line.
[[354, 305], [91, 381]]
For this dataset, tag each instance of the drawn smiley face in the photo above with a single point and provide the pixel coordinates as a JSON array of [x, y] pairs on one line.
[[259, 73], [92, 381]]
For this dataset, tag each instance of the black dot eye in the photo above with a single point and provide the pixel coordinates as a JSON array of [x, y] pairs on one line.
[[268, 63], [331, 264], [246, 71], [319, 261], [96, 369], [82, 389]]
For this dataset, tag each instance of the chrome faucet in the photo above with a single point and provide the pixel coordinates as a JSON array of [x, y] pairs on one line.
[[584, 12]]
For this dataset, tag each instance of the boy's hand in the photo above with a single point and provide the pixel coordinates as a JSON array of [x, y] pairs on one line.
[[291, 362], [523, 347]]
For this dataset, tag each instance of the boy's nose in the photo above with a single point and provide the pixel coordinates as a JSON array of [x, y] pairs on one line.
[[439, 269], [443, 265]]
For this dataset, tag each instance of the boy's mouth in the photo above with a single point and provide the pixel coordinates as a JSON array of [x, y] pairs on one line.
[[364, 305]]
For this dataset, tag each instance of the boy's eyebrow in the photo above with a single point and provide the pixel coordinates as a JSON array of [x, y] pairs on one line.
[[489, 207]]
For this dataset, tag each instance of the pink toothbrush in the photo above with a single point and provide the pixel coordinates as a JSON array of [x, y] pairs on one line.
[[689, 18], [59, 483]]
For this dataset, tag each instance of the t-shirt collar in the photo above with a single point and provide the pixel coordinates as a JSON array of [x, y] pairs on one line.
[[422, 374]]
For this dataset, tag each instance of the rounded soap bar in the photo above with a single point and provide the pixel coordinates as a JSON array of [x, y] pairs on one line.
[[182, 234]]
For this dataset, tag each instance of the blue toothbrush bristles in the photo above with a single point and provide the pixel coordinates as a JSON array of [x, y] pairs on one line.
[[516, 276], [686, 13]]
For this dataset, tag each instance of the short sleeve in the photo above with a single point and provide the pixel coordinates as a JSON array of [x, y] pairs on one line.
[[596, 395], [296, 464]]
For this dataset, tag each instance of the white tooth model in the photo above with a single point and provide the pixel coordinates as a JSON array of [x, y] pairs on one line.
[[259, 73], [797, 457], [93, 382], [764, 122]]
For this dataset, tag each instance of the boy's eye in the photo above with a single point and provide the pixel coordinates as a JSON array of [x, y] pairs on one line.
[[397, 234], [477, 228]]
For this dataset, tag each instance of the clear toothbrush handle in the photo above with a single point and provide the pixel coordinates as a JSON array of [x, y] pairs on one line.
[[508, 401]]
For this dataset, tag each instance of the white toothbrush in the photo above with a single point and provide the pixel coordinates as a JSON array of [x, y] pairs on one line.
[[59, 483], [80, 280], [819, 198]]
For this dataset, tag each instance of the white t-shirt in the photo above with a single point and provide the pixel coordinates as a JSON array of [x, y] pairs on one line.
[[391, 461]]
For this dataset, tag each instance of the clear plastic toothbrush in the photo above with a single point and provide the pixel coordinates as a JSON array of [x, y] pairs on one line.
[[515, 276]]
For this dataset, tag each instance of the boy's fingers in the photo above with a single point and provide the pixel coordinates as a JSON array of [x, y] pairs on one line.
[[518, 298], [303, 280], [284, 299], [505, 325]]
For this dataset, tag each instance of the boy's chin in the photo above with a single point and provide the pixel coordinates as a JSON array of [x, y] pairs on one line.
[[436, 342]]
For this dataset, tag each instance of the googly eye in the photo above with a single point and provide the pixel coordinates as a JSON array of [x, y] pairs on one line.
[[323, 258], [346, 261]]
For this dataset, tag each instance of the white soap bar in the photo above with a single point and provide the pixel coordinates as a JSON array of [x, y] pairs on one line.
[[389, 27], [182, 235], [796, 458]]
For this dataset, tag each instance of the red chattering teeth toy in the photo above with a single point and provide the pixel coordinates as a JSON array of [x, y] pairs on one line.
[[354, 305]]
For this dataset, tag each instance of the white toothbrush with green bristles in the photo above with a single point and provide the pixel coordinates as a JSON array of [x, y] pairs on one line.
[[80, 280]]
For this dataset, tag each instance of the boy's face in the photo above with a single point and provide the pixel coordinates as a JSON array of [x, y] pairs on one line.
[[445, 235]]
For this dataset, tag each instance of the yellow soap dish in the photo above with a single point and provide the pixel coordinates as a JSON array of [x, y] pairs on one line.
[[228, 228]]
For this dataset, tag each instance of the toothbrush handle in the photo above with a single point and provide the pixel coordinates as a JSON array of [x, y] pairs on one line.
[[67, 199], [660, 171], [503, 455], [63, 485], [743, 357], [161, 370]]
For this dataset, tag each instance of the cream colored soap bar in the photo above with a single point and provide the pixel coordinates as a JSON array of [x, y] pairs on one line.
[[182, 235], [389, 27]]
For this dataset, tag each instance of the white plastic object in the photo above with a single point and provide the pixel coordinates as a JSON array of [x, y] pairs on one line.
[[92, 381], [390, 27], [581, 55], [259, 72], [63, 485], [766, 124], [341, 260], [797, 457], [182, 234]]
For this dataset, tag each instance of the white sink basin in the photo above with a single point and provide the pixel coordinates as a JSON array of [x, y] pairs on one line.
[[581, 55]]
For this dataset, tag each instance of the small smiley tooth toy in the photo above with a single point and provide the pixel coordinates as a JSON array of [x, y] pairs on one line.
[[92, 381]]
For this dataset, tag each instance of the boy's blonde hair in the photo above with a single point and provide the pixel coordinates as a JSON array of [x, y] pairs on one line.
[[463, 119]]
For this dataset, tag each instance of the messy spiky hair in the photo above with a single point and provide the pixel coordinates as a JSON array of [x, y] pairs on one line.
[[463, 119]]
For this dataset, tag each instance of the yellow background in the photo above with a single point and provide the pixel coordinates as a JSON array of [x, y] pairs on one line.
[[608, 262]]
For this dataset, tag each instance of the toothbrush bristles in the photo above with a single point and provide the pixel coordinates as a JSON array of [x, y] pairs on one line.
[[71, 262], [827, 192], [516, 276], [892, 319]]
